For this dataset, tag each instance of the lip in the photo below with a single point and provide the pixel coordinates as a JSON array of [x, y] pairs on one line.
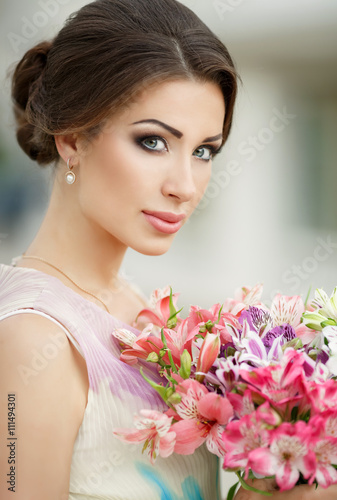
[[165, 222]]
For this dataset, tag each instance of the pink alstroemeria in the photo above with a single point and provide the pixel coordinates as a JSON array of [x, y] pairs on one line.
[[154, 430], [208, 353], [323, 443], [282, 385], [242, 403], [289, 310], [287, 456], [322, 397], [203, 416], [243, 436], [325, 451], [330, 423]]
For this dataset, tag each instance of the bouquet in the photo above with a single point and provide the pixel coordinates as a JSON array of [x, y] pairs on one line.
[[257, 384]]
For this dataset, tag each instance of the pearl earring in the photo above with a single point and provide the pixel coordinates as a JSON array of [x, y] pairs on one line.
[[70, 176]]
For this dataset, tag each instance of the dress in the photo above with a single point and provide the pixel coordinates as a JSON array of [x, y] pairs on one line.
[[103, 467]]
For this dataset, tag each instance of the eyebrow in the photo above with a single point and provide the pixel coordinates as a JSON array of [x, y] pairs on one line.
[[176, 132]]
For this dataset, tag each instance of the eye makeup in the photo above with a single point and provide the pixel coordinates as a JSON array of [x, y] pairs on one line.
[[141, 138]]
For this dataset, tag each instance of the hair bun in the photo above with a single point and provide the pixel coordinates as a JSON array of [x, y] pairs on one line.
[[25, 86], [27, 72]]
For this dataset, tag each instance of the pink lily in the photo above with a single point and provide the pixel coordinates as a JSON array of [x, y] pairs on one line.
[[287, 456], [244, 297], [202, 415], [200, 321], [159, 311], [148, 342], [154, 429]]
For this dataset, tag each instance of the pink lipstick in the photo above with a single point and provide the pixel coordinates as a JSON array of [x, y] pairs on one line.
[[165, 222]]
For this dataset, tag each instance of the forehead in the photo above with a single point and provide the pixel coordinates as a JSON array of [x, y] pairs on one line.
[[178, 101]]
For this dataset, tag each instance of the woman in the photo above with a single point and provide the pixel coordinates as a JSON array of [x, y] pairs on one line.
[[130, 101]]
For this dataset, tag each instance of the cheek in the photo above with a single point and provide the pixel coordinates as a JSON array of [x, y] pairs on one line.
[[202, 181], [110, 177]]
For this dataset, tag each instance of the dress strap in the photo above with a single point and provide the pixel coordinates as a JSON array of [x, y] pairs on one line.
[[48, 316]]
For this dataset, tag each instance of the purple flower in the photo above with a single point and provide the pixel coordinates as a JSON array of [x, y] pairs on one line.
[[258, 319], [286, 331], [322, 357], [224, 349]]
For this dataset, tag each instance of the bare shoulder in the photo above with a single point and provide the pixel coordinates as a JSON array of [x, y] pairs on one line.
[[33, 348], [46, 379]]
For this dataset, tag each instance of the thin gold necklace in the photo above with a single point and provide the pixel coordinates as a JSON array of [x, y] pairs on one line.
[[66, 276]]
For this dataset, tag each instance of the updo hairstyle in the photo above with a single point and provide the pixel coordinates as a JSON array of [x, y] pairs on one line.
[[104, 55]]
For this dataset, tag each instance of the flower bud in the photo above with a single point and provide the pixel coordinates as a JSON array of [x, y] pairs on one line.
[[185, 364], [328, 322], [174, 399], [153, 357], [169, 392], [313, 320], [294, 343], [209, 352], [162, 353]]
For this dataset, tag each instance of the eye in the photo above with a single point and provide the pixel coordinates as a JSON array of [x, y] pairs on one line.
[[205, 153], [153, 143]]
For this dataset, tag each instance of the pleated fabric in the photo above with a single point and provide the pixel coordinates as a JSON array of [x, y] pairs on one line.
[[104, 468]]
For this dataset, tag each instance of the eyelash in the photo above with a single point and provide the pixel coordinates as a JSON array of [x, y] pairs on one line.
[[140, 141]]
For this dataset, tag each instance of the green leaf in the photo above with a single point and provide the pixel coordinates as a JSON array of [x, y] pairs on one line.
[[159, 388], [173, 366], [250, 488], [163, 338], [232, 491], [173, 310], [294, 414], [219, 315], [172, 321]]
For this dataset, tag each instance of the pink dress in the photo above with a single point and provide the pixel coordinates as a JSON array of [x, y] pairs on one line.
[[104, 468]]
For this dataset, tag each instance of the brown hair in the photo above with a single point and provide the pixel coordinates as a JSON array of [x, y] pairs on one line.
[[105, 53]]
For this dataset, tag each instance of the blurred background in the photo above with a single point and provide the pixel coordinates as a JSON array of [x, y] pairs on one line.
[[270, 212]]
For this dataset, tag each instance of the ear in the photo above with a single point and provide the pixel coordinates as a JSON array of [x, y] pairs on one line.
[[68, 147]]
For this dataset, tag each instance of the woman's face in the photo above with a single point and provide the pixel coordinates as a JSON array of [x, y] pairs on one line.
[[141, 179]]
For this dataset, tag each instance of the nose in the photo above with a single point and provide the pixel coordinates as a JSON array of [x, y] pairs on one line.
[[179, 182]]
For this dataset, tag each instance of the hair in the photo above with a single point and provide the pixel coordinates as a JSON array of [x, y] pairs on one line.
[[106, 53]]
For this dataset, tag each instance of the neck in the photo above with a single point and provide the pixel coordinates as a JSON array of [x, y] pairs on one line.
[[77, 245]]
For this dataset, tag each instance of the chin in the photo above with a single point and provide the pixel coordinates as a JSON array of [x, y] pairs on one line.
[[155, 249]]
